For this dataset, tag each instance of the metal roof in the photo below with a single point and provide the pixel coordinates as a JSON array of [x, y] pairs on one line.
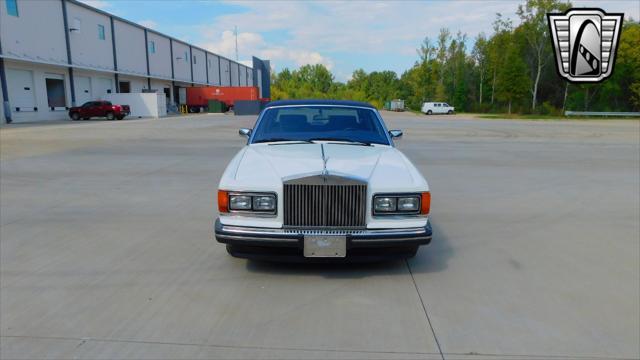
[[319, 102]]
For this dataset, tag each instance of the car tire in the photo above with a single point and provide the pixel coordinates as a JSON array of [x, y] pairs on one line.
[[120, 117], [429, 112], [111, 116], [450, 112], [75, 116], [86, 118]]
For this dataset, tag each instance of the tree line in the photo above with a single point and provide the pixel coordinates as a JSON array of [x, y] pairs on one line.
[[510, 70]]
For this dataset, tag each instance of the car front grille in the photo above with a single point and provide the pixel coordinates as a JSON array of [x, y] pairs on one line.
[[325, 206]]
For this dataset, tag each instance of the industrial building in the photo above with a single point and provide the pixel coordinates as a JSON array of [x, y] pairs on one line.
[[61, 53]]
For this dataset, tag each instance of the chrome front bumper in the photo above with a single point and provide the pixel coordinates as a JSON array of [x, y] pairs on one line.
[[266, 237]]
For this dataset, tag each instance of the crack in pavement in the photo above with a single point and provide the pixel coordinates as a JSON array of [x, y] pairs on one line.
[[424, 307]]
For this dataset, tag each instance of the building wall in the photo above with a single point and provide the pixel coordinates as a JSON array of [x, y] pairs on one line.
[[224, 72], [87, 48], [34, 48], [19, 40], [235, 76], [27, 89], [130, 49], [199, 66], [181, 61], [213, 68], [243, 76], [250, 81], [137, 84], [92, 85], [160, 61]]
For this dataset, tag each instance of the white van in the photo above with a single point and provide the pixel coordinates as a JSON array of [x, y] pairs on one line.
[[437, 108]]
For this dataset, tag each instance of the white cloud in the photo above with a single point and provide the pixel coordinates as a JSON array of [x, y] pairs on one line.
[[148, 23], [294, 33], [254, 44], [225, 44]]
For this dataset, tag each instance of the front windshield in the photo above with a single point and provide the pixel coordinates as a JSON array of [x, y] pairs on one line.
[[307, 123]]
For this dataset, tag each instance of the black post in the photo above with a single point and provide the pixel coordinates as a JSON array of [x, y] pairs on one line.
[[146, 52], [66, 37], [3, 86], [171, 52], [206, 65], [5, 95], [115, 55], [219, 72]]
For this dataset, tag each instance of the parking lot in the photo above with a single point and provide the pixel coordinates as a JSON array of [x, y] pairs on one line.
[[107, 248]]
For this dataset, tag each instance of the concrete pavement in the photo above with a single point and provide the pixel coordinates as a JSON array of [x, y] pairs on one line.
[[106, 248]]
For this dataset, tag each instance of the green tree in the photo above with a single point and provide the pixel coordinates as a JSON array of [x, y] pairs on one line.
[[536, 31], [513, 82], [480, 56]]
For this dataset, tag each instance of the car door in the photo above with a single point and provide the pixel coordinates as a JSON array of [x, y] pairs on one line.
[[85, 109], [100, 108]]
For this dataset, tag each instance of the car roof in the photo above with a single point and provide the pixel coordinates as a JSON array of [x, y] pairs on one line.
[[319, 102]]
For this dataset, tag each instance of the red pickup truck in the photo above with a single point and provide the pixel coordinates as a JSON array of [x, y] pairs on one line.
[[99, 109]]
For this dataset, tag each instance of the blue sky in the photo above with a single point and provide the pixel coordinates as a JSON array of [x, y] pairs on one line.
[[343, 35]]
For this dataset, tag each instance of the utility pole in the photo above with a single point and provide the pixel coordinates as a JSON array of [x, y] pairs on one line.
[[236, 33]]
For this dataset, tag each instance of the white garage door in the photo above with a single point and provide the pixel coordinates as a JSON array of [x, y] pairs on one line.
[[103, 87], [83, 90], [21, 90]]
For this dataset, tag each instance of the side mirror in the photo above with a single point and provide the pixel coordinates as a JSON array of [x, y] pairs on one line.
[[395, 134], [245, 132]]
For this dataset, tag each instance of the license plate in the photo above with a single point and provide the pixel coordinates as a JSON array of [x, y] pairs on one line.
[[325, 246]]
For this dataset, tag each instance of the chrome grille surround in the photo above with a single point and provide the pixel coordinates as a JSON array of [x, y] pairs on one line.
[[325, 201]]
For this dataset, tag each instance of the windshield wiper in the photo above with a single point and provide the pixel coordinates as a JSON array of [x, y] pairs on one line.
[[283, 140], [347, 141]]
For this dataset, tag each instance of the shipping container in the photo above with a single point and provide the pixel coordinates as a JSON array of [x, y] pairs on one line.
[[198, 97]]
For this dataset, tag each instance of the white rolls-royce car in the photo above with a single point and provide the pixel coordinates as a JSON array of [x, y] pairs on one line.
[[321, 180]]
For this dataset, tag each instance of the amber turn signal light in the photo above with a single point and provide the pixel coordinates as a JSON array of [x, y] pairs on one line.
[[425, 203], [223, 201]]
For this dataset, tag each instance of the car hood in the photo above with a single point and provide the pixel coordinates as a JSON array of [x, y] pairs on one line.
[[264, 166]]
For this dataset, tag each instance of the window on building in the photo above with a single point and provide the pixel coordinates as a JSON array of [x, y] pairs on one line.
[[152, 47], [209, 63], [194, 59], [101, 32], [12, 7], [186, 56]]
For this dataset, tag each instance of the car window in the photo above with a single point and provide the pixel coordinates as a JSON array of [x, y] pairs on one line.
[[445, 104], [438, 105], [320, 122], [87, 104], [106, 103]]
